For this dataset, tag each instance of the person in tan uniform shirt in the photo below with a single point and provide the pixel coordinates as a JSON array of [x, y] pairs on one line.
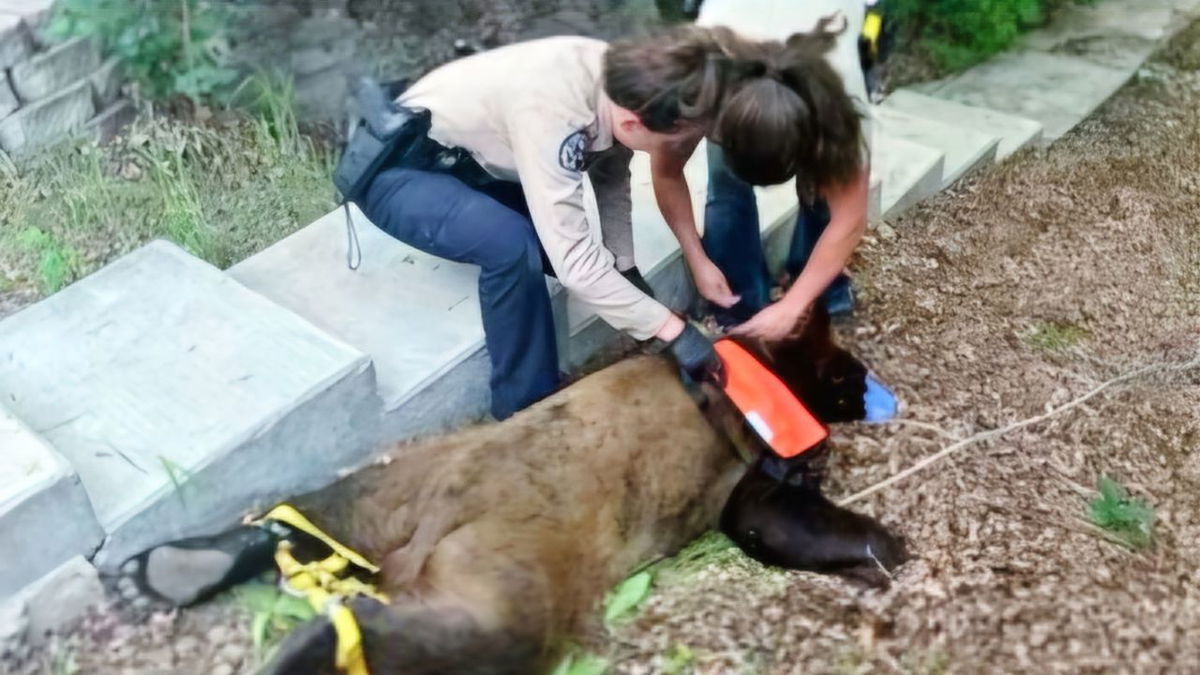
[[512, 133]]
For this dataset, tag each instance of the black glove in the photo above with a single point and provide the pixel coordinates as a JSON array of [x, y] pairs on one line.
[[696, 357], [635, 277]]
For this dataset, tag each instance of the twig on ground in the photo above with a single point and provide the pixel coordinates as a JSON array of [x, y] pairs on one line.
[[995, 433], [918, 424]]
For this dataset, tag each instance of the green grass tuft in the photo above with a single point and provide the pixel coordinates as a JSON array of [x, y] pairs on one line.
[[1055, 336], [1130, 520], [223, 189]]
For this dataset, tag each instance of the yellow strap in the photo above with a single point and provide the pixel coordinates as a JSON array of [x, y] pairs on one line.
[[290, 516], [323, 586], [350, 658], [872, 28]]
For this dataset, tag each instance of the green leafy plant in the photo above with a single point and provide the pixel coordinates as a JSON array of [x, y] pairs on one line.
[[679, 660], [170, 46], [578, 663], [959, 33], [56, 261], [274, 613], [1129, 519], [624, 600]]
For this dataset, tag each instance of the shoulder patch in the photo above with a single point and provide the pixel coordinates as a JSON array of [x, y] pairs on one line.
[[572, 154]]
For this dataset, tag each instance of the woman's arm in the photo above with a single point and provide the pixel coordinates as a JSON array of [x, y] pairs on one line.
[[847, 224], [675, 202]]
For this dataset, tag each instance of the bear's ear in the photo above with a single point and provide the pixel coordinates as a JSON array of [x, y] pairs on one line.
[[816, 329], [310, 649]]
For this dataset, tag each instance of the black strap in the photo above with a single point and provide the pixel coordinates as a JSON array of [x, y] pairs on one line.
[[352, 246]]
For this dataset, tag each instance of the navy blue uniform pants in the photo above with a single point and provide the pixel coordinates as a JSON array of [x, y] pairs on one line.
[[733, 241], [488, 226]]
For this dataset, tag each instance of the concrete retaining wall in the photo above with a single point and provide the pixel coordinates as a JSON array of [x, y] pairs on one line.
[[48, 91]]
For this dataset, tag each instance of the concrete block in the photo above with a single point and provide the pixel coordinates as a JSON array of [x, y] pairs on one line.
[[910, 172], [182, 399], [15, 42], [53, 604], [45, 515], [315, 58], [1055, 90], [46, 73], [1015, 132], [322, 95], [966, 150], [1145, 19], [42, 123], [106, 83], [415, 314], [875, 200], [33, 12], [111, 121], [8, 100]]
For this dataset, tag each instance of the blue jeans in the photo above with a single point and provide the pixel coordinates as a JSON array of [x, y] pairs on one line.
[[488, 226], [733, 241]]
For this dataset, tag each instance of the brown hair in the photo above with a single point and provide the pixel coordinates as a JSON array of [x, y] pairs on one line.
[[777, 109]]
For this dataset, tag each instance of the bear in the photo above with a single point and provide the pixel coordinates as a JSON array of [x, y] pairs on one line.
[[496, 543]]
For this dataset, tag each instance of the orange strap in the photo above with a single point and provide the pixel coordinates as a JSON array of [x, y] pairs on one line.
[[770, 408]]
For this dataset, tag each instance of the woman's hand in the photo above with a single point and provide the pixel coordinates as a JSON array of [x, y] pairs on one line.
[[775, 321], [711, 284]]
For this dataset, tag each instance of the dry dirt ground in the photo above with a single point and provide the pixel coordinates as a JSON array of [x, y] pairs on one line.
[[1019, 291], [1024, 288]]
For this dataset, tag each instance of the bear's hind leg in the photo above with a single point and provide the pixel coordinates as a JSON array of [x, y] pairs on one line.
[[188, 571]]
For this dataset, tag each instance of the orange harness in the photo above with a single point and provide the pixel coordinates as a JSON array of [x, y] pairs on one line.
[[771, 409]]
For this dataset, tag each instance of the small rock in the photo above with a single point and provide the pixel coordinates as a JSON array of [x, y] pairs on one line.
[[885, 231]]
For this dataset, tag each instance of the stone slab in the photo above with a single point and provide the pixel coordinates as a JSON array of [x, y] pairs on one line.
[[48, 120], [33, 12], [8, 100], [1055, 90], [966, 150], [106, 83], [183, 399], [910, 172], [318, 57], [416, 315], [50, 71], [15, 43], [322, 95], [53, 603], [875, 200], [1015, 132], [111, 121], [45, 515], [1146, 19]]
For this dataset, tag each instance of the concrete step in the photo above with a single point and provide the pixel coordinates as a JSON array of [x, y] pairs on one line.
[[183, 399], [1056, 90], [45, 515], [966, 150], [415, 314], [1014, 132], [910, 172]]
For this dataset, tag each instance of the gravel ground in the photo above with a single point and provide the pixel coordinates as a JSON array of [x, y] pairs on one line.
[[1016, 292]]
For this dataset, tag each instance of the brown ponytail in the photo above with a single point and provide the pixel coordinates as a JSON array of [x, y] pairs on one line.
[[777, 109]]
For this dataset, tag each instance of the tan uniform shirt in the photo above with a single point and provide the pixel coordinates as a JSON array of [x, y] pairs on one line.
[[536, 113]]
